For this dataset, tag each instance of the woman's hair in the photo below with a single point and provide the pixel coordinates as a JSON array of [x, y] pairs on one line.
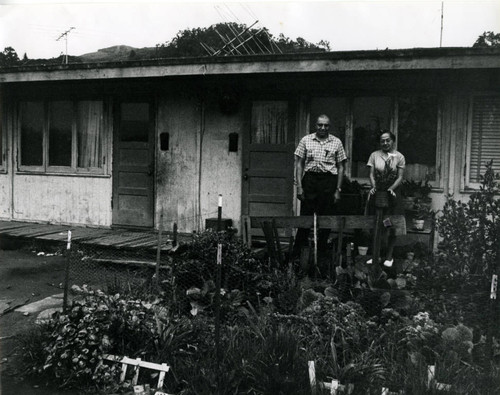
[[393, 137]]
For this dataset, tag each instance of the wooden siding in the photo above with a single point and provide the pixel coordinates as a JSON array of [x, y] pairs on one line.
[[5, 196], [62, 199]]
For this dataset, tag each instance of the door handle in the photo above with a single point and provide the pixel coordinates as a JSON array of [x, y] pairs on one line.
[[245, 176]]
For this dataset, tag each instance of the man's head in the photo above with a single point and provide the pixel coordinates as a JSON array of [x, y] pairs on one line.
[[322, 126]]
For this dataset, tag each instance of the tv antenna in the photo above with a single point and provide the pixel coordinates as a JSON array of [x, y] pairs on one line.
[[442, 17], [65, 35]]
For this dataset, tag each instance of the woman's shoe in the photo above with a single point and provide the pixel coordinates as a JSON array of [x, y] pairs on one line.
[[388, 263]]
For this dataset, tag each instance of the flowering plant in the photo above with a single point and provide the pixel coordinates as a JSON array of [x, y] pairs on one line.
[[384, 179]]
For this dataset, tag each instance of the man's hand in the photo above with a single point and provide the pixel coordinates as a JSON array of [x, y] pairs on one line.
[[336, 196], [300, 193]]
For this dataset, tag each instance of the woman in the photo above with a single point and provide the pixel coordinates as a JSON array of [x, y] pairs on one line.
[[386, 174]]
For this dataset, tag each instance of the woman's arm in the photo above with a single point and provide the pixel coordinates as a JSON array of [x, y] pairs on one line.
[[372, 180]]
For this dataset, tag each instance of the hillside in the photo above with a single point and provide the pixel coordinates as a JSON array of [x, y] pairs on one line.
[[117, 53]]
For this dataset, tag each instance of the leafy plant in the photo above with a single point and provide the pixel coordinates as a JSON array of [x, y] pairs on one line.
[[470, 231], [418, 189], [385, 178]]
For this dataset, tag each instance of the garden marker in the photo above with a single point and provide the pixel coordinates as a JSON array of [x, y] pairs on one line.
[[494, 285], [68, 246], [431, 381], [219, 254]]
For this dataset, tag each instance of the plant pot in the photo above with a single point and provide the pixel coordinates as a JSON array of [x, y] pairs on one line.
[[418, 224], [362, 250], [381, 199]]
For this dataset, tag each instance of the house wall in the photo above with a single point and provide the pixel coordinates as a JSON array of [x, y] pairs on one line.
[[62, 199], [5, 196], [197, 167]]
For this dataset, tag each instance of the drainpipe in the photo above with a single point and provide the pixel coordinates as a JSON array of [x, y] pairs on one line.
[[200, 161]]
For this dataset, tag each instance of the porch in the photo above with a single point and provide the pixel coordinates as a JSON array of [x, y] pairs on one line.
[[119, 238]]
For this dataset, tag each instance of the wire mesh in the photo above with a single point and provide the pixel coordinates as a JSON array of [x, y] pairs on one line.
[[252, 280]]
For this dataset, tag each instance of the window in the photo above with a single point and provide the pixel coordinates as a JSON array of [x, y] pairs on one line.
[[370, 115], [417, 136], [357, 122], [336, 109], [62, 136], [269, 122], [484, 137]]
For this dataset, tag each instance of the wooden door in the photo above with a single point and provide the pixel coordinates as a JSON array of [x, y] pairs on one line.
[[133, 165], [268, 160]]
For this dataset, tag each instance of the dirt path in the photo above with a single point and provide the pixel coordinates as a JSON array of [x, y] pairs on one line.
[[25, 277]]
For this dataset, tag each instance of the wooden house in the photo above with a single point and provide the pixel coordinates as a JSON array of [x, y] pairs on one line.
[[116, 144]]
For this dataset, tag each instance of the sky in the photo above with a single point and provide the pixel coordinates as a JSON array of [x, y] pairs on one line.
[[36, 28]]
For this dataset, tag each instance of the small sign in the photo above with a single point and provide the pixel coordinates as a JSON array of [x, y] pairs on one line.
[[494, 286]]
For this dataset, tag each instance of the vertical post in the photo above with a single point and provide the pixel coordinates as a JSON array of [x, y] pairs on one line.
[[174, 242], [377, 238], [158, 252], [315, 224], [494, 315], [312, 377], [217, 288], [66, 274]]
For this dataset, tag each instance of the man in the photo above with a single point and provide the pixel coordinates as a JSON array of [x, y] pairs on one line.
[[319, 169]]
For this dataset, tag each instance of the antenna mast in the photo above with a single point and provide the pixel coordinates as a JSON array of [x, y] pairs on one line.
[[65, 35], [441, 35]]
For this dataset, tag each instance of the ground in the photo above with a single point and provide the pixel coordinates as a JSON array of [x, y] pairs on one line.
[[26, 276]]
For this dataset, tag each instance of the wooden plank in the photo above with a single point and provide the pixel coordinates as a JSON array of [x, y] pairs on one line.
[[33, 231], [129, 240], [55, 236], [80, 234], [332, 222], [10, 224], [13, 225]]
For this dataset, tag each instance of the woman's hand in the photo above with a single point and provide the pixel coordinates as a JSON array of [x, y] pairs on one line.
[[373, 190], [391, 192]]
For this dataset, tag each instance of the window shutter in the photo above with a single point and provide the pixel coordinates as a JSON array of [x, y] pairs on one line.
[[485, 136]]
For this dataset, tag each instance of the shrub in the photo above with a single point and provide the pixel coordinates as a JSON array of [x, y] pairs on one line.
[[469, 231]]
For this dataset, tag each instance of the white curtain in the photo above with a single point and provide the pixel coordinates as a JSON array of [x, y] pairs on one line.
[[89, 132], [269, 122]]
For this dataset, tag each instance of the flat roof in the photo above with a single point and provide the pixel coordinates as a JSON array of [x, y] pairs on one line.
[[373, 60]]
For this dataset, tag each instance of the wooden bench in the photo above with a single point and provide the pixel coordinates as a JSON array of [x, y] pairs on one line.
[[336, 223]]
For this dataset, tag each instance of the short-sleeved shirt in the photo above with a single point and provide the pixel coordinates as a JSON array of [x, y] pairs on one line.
[[321, 156], [379, 158]]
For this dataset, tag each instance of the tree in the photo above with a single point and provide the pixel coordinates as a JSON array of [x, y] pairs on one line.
[[8, 57], [244, 41], [487, 39]]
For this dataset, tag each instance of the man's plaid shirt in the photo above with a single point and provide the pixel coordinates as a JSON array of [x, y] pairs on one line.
[[321, 156]]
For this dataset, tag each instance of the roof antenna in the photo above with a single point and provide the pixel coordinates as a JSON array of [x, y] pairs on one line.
[[441, 35], [65, 35]]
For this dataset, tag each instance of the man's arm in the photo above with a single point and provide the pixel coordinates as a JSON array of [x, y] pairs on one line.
[[299, 172], [340, 177]]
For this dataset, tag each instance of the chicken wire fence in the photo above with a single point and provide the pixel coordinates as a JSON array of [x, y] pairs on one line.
[[218, 281]]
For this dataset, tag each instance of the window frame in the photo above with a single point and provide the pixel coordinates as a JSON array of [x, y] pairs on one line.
[[3, 139], [45, 168], [394, 123], [466, 185]]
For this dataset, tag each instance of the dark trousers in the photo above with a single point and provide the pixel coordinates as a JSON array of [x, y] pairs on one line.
[[319, 190]]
